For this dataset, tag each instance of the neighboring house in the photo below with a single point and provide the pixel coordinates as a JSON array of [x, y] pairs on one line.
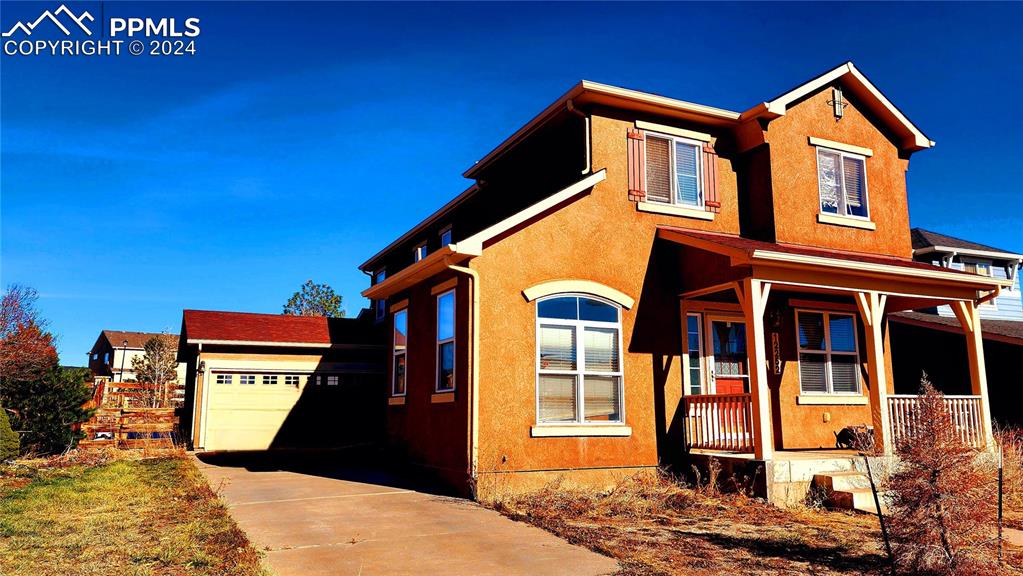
[[634, 280], [931, 341], [260, 381], [111, 356]]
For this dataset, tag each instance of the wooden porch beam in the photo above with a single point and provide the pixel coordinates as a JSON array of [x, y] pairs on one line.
[[871, 306], [969, 317], [754, 295]]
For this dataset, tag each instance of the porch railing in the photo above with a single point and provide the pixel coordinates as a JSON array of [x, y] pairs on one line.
[[964, 414], [719, 422]]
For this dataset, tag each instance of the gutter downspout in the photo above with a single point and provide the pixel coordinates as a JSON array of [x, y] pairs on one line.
[[570, 106], [474, 403]]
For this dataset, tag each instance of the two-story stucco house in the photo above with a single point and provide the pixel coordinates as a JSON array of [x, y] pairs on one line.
[[633, 279]]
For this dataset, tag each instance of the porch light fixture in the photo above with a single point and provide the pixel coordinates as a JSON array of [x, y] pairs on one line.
[[837, 103]]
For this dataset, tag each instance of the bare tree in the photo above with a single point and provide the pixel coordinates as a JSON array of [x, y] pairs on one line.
[[157, 368], [26, 347], [941, 497]]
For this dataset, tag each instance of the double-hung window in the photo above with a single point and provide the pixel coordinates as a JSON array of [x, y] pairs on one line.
[[446, 341], [399, 353], [674, 170], [694, 334], [842, 182], [828, 355], [579, 373]]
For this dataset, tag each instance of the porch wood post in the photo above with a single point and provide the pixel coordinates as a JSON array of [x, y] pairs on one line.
[[871, 305], [753, 295], [969, 317]]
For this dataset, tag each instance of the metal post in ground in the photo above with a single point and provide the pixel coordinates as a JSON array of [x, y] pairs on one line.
[[1000, 484], [880, 514]]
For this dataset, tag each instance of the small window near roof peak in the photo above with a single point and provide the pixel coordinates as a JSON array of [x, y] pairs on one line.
[[445, 237]]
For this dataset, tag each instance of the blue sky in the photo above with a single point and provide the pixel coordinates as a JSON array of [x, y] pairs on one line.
[[134, 187]]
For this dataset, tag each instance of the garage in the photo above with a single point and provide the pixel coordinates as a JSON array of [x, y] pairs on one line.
[[263, 381]]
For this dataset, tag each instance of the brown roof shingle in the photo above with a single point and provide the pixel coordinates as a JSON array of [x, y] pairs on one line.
[[136, 339], [1004, 330], [926, 239], [211, 325]]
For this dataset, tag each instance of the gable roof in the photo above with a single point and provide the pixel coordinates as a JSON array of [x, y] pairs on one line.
[[924, 239], [250, 329], [875, 100], [136, 340]]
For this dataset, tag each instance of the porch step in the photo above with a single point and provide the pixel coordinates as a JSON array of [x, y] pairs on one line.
[[848, 490], [842, 481]]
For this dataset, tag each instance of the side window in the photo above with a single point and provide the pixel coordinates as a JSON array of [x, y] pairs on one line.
[[694, 334], [399, 353], [842, 182], [579, 374], [446, 341]]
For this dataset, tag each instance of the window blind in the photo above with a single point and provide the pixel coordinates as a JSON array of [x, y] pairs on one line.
[[844, 373], [557, 398], [855, 186], [601, 349], [686, 173], [601, 395], [557, 348], [813, 372], [658, 169]]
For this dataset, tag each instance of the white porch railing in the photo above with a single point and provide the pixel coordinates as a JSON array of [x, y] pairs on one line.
[[964, 413], [719, 422]]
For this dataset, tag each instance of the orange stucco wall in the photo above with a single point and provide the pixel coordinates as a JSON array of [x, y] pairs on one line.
[[603, 238], [794, 179]]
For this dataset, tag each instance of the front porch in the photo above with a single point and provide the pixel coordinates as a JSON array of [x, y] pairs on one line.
[[786, 347]]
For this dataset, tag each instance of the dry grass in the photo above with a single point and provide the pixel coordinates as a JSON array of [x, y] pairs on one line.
[[117, 512], [1011, 441], [654, 526]]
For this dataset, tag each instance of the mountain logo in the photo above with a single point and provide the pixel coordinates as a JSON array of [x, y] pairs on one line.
[[26, 28]]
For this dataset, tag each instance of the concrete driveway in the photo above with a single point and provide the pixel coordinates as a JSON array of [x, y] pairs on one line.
[[339, 520]]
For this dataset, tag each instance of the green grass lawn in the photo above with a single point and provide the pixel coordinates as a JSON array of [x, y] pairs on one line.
[[133, 517]]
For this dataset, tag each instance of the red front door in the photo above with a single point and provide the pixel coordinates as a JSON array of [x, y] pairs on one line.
[[728, 343]]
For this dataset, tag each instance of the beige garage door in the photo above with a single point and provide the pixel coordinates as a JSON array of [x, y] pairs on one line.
[[247, 411]]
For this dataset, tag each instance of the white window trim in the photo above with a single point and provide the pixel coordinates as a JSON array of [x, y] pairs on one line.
[[454, 347], [701, 205], [580, 353], [395, 353], [827, 352], [841, 180], [700, 359]]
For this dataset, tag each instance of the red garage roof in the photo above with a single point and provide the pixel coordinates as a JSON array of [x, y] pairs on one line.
[[214, 327]]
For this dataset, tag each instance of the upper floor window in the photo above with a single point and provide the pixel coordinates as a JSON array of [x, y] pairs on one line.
[[399, 353], [674, 170], [445, 236], [842, 181], [981, 267], [579, 373], [446, 341], [380, 305], [420, 252], [828, 354]]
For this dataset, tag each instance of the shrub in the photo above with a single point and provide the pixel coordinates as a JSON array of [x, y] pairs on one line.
[[941, 498], [47, 409], [10, 442]]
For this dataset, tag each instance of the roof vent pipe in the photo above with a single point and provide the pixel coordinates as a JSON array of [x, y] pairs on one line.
[[570, 106]]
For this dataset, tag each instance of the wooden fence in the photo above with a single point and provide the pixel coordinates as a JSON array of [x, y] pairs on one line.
[[131, 428], [719, 422], [963, 412]]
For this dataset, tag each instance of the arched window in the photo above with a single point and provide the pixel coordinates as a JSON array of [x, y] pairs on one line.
[[579, 371]]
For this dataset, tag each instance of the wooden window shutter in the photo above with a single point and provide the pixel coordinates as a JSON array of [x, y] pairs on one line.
[[637, 165], [710, 179]]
